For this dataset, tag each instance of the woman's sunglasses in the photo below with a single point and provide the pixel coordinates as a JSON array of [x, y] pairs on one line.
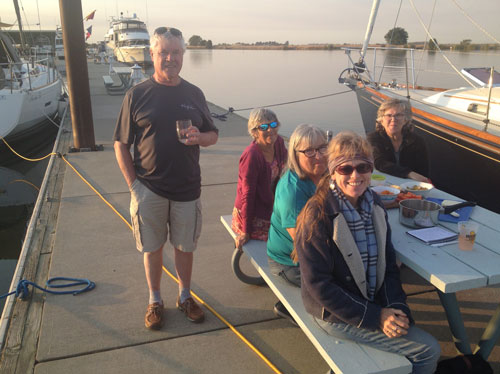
[[349, 169], [265, 126]]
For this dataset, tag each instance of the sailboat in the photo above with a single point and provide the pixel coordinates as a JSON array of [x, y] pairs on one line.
[[461, 126], [30, 90]]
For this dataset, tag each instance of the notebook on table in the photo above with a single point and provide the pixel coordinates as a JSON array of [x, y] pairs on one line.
[[432, 235]]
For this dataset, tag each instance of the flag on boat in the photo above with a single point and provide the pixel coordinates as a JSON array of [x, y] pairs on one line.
[[88, 33], [90, 16]]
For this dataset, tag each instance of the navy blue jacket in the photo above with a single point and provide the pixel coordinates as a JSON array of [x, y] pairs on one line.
[[333, 277], [413, 155]]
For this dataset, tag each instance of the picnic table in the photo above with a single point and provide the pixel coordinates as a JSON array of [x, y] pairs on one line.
[[451, 270]]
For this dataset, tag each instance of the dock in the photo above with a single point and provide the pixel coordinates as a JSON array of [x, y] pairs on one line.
[[102, 331]]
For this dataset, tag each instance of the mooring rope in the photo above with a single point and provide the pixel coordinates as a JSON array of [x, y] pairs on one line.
[[223, 117]]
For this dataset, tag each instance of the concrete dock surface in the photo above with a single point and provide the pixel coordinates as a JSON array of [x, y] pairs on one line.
[[102, 331]]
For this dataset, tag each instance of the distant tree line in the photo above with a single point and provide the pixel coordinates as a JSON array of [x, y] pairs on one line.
[[399, 36], [395, 36], [198, 41]]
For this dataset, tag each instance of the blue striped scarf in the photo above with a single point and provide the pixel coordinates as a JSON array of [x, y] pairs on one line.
[[360, 223]]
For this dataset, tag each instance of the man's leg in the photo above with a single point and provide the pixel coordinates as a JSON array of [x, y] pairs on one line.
[[148, 213], [185, 303], [185, 228], [184, 268], [153, 262]]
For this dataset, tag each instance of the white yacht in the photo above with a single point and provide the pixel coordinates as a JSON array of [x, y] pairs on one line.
[[128, 40]]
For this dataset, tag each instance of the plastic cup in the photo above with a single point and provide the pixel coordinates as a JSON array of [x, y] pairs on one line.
[[183, 126], [467, 232], [377, 180]]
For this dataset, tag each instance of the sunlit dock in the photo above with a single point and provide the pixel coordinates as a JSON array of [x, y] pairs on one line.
[[102, 331]]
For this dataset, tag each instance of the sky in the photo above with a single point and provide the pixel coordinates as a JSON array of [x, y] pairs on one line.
[[295, 21]]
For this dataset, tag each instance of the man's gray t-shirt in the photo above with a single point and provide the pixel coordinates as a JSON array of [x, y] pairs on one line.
[[147, 120]]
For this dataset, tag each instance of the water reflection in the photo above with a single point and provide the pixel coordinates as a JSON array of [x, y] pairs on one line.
[[16, 195], [199, 57]]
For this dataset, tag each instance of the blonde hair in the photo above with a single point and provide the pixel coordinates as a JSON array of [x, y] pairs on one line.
[[258, 117], [303, 137]]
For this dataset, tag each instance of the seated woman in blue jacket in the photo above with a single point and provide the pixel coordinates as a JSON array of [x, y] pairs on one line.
[[350, 281]]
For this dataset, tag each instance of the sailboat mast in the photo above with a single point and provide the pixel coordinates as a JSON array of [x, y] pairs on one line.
[[369, 28], [20, 24]]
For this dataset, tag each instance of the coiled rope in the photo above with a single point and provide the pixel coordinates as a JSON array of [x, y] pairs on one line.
[[22, 290], [223, 116]]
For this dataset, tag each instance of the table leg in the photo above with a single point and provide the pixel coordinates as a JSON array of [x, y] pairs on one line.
[[455, 321], [490, 336]]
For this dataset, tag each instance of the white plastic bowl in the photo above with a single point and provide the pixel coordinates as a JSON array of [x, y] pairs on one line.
[[386, 197], [418, 188]]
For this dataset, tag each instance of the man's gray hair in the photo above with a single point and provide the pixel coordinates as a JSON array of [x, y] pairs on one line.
[[156, 38]]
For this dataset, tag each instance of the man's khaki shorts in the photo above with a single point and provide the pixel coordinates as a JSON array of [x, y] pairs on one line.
[[152, 216]]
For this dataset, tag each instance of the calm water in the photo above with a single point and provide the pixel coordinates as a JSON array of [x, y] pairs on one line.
[[243, 79]]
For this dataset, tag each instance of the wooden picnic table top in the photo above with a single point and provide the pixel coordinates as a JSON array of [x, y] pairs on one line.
[[448, 268]]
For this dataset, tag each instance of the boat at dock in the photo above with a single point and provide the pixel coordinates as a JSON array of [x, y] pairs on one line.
[[30, 92], [461, 126], [128, 40]]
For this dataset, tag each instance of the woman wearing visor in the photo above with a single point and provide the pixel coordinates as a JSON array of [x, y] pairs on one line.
[[260, 168], [350, 281]]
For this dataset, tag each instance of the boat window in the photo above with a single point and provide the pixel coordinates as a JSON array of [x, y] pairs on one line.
[[477, 108]]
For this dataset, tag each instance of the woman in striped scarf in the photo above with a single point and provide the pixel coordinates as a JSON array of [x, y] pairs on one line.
[[350, 280]]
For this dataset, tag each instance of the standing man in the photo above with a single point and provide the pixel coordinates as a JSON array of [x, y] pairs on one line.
[[163, 174]]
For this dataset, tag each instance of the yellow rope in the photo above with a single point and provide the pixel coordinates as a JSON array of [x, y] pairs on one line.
[[25, 181], [233, 329], [25, 158]]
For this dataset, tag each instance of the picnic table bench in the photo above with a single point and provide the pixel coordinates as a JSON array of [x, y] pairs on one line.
[[124, 74], [343, 357]]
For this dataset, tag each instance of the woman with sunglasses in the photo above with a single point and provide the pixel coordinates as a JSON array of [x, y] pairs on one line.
[[396, 148], [350, 280], [261, 164]]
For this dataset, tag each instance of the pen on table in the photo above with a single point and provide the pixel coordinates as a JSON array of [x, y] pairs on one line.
[[444, 243]]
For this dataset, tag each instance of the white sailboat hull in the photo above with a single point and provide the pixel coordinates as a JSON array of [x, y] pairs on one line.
[[37, 106]]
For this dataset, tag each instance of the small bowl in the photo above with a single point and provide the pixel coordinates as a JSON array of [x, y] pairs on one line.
[[377, 180], [387, 194], [418, 188]]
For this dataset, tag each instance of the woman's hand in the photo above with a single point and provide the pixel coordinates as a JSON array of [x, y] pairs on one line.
[[240, 240], [394, 322]]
